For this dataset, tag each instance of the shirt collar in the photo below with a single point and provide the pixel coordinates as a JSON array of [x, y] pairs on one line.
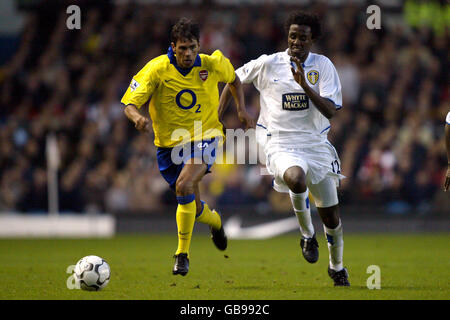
[[308, 62], [183, 71]]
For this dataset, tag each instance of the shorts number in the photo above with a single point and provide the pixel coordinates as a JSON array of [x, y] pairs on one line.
[[335, 166]]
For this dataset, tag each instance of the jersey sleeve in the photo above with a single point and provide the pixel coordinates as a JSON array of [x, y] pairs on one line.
[[330, 85], [447, 120], [223, 67], [142, 86], [250, 71]]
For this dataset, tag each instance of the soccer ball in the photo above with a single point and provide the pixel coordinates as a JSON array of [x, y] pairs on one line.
[[92, 273]]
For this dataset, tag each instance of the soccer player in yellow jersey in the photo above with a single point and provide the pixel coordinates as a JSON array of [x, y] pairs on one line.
[[184, 97]]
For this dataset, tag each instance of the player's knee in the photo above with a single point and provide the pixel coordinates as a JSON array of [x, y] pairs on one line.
[[295, 179], [184, 187]]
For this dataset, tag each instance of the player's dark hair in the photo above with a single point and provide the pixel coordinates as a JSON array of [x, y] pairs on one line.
[[305, 19], [185, 29]]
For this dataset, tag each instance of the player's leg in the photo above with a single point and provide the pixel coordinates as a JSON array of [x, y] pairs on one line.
[[295, 178], [207, 149], [326, 199], [189, 176], [335, 239], [334, 234], [212, 219], [204, 213]]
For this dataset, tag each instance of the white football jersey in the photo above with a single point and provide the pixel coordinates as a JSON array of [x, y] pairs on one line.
[[448, 119], [288, 115]]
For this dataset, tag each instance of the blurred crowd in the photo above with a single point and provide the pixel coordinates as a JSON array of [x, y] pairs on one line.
[[389, 133]]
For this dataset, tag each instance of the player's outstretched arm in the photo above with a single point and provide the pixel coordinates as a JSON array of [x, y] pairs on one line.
[[140, 122], [325, 106], [225, 99], [447, 146], [237, 91]]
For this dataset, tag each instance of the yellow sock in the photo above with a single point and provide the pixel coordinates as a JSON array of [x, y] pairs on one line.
[[211, 218], [185, 222]]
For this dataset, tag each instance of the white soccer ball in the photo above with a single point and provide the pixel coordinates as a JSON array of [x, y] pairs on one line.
[[92, 273]]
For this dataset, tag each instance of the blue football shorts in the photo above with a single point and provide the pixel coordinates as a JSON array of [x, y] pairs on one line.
[[171, 160]]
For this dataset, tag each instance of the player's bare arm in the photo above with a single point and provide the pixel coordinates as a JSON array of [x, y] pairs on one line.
[[300, 41], [325, 106], [140, 122], [236, 91], [225, 99], [238, 95], [447, 146]]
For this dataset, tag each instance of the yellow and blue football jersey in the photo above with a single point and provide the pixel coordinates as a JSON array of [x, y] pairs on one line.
[[181, 99]]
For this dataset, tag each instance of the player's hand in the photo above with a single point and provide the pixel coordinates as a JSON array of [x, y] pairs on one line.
[[299, 75], [142, 124], [447, 180], [246, 119]]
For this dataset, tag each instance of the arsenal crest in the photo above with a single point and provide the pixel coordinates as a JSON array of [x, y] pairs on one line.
[[203, 74]]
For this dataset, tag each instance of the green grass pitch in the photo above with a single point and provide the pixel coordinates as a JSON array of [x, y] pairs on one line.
[[412, 267]]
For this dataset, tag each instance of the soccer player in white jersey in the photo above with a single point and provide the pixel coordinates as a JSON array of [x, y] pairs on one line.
[[299, 92], [447, 146]]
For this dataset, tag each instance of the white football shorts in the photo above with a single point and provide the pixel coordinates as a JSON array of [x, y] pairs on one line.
[[320, 163]]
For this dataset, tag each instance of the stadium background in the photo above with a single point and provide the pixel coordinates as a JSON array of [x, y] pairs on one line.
[[390, 133]]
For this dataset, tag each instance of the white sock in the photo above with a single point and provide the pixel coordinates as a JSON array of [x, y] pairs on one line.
[[300, 202], [335, 241]]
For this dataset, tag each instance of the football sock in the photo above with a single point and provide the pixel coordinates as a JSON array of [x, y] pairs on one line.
[[335, 242], [185, 222], [300, 202], [211, 218]]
